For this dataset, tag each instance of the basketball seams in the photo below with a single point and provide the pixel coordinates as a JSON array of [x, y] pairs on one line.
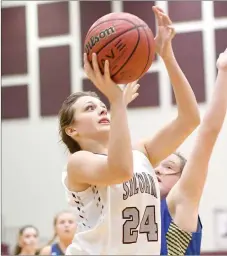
[[128, 59], [137, 43], [149, 50], [129, 21], [122, 33]]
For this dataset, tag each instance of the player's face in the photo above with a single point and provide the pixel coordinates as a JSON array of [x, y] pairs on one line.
[[29, 238], [66, 226], [168, 173], [91, 117]]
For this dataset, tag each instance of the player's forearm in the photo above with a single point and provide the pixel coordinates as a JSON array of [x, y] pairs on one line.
[[120, 150], [185, 98], [195, 171], [215, 115]]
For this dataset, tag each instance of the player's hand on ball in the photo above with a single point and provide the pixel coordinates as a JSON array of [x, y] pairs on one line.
[[165, 34], [130, 92], [103, 82], [222, 61]]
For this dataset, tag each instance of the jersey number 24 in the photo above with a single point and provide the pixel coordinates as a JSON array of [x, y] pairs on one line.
[[133, 226]]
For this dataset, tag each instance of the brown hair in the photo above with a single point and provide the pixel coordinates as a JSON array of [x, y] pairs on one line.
[[183, 160], [50, 242], [18, 248], [66, 115]]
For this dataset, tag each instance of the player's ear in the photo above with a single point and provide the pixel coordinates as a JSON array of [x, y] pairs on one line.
[[71, 131]]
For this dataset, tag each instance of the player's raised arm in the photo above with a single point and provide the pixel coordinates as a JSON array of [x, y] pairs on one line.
[[89, 168], [169, 138], [185, 196]]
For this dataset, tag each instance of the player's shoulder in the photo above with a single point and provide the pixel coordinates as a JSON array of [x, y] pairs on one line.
[[46, 250], [83, 154], [140, 154], [77, 155], [139, 147], [76, 161], [79, 158], [82, 160]]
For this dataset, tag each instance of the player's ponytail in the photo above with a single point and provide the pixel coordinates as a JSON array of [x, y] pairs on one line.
[[66, 118], [51, 241], [17, 250]]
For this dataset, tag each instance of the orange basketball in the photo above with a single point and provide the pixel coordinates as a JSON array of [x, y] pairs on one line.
[[126, 41]]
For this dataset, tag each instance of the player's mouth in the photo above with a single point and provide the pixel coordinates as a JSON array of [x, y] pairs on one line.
[[104, 120], [159, 180]]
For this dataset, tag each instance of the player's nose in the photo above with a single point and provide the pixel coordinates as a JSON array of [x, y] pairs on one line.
[[102, 111], [157, 171]]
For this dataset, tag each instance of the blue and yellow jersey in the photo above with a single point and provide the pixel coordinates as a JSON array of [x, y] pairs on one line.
[[175, 241]]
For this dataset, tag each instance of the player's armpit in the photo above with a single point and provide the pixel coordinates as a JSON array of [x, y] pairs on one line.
[[87, 168], [183, 212]]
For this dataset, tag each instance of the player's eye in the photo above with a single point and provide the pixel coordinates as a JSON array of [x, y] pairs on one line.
[[90, 107], [167, 166]]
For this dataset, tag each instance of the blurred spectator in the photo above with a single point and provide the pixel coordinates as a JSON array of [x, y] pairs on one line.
[[27, 243], [64, 230], [4, 249]]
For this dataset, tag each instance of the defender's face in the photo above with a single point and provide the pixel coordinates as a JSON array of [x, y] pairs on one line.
[[66, 226], [168, 173]]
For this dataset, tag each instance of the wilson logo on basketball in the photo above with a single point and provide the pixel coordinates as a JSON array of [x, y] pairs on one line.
[[95, 39]]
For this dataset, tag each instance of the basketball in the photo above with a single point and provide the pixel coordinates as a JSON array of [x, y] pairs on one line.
[[126, 41]]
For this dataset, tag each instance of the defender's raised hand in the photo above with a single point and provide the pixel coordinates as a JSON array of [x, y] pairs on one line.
[[130, 92], [222, 61], [165, 33]]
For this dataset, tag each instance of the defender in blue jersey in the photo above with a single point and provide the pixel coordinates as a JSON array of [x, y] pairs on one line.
[[171, 169], [64, 231], [56, 250], [182, 190], [191, 243]]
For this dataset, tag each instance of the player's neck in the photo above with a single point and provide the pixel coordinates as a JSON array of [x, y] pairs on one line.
[[95, 147], [28, 252], [63, 244]]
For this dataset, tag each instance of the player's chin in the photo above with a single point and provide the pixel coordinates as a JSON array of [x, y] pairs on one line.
[[31, 245], [103, 131], [162, 188], [105, 127], [162, 193]]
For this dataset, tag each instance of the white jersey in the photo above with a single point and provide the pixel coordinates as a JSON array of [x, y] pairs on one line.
[[118, 219]]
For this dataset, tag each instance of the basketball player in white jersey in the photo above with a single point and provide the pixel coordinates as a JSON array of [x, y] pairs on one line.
[[111, 185]]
